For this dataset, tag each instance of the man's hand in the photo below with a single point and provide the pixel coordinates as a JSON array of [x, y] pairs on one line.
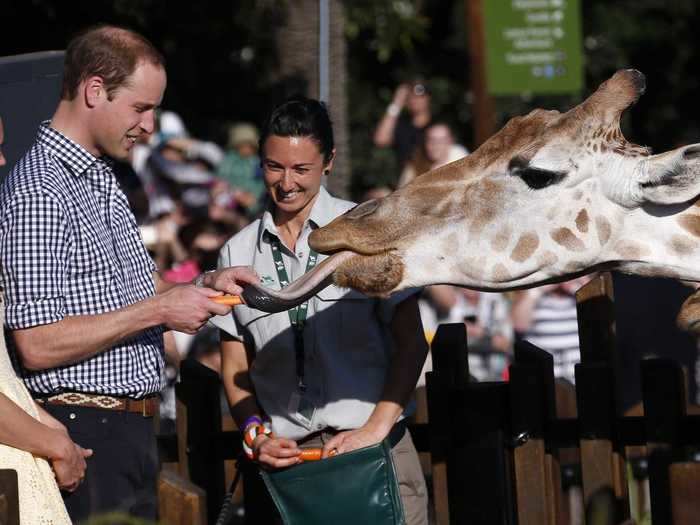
[[186, 308], [276, 452], [352, 440], [230, 280], [69, 464]]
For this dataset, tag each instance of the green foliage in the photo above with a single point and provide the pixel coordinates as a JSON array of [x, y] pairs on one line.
[[387, 27], [222, 61], [385, 48]]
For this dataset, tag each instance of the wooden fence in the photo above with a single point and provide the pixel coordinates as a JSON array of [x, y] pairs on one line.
[[509, 452], [501, 452], [502, 443]]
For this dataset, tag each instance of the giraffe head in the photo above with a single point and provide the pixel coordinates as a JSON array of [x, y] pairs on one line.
[[549, 196]]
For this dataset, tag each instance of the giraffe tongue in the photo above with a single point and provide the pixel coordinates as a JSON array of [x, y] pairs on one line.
[[307, 286]]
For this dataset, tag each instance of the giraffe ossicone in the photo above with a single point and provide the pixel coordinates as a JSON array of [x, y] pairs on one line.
[[550, 196]]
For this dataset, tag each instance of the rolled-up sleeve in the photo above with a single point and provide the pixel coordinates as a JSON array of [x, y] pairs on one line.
[[35, 242]]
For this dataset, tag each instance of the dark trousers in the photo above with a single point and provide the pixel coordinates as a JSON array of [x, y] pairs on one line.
[[122, 474]]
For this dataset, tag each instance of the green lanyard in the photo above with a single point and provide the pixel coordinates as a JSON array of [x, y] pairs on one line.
[[297, 316]]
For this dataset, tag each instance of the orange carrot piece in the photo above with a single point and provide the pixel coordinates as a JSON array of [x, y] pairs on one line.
[[230, 300]]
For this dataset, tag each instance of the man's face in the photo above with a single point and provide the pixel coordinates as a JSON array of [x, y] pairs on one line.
[[130, 114], [3, 161]]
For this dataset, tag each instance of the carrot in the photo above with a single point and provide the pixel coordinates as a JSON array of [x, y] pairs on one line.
[[230, 300], [313, 454], [310, 454]]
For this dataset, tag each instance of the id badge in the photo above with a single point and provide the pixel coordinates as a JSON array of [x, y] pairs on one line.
[[301, 408]]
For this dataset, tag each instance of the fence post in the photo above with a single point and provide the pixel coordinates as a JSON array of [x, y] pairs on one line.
[[200, 391], [602, 464], [532, 407], [450, 368], [663, 391], [9, 497], [595, 307]]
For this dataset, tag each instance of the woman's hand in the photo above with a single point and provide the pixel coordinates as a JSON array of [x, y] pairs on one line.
[[50, 421], [276, 452], [352, 440], [69, 464]]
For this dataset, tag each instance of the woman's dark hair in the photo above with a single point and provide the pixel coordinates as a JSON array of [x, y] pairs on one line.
[[300, 117]]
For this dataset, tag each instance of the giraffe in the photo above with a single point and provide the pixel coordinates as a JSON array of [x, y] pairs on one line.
[[550, 196]]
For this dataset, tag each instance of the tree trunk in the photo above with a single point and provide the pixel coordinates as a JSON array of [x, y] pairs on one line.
[[298, 51]]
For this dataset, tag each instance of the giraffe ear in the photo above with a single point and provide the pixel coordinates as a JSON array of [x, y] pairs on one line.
[[672, 177]]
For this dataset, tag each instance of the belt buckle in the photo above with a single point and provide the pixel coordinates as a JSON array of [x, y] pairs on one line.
[[143, 408]]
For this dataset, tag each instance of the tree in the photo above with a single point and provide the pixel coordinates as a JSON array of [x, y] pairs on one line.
[[298, 72]]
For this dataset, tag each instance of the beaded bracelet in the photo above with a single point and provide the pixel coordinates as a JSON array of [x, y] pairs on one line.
[[252, 432], [249, 421]]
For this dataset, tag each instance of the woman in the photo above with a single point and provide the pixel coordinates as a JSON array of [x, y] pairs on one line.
[[28, 437], [437, 149], [338, 371]]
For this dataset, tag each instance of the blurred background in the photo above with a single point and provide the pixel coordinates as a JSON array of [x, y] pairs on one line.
[[411, 85], [231, 61]]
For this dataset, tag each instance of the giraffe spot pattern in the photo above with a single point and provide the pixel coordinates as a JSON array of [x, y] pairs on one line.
[[526, 246], [691, 224], [500, 241], [500, 273], [547, 259], [631, 249], [566, 238], [682, 245], [582, 221], [603, 228]]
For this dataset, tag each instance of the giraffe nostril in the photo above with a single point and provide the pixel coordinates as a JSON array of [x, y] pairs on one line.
[[691, 152]]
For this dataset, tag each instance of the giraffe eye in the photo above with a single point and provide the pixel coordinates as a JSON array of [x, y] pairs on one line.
[[537, 179]]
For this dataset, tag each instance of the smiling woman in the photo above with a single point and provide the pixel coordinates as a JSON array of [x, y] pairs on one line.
[[337, 371]]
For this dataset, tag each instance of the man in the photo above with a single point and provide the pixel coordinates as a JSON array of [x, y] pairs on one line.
[[85, 308]]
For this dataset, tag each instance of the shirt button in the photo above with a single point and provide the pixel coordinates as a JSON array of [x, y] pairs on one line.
[[300, 254], [319, 426], [72, 415]]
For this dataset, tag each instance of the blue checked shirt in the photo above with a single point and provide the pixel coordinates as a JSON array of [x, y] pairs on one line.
[[69, 245]]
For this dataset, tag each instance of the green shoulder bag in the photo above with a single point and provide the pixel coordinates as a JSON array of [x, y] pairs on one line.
[[356, 487]]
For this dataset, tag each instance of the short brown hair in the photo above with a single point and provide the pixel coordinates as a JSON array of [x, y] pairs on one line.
[[110, 52]]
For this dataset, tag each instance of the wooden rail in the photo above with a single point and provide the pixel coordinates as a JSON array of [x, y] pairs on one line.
[[499, 450]]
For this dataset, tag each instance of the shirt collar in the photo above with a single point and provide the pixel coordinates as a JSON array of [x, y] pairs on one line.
[[321, 214], [72, 154]]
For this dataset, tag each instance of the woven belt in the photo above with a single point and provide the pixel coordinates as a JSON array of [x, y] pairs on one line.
[[147, 406]]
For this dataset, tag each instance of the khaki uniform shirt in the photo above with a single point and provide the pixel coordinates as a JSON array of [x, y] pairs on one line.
[[347, 342]]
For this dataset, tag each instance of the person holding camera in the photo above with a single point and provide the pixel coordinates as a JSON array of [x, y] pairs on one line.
[[403, 130]]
